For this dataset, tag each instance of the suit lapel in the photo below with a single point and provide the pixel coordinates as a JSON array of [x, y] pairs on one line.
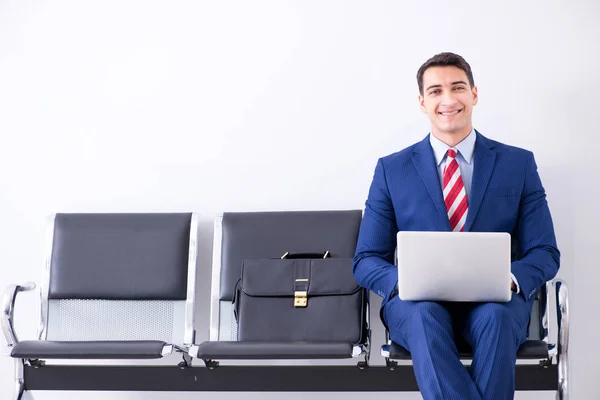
[[424, 162], [484, 159]]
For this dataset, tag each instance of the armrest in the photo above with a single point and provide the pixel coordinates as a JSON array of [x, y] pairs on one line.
[[8, 308], [562, 314]]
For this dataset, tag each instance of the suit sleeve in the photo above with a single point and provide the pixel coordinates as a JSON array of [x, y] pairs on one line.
[[539, 256], [373, 264]]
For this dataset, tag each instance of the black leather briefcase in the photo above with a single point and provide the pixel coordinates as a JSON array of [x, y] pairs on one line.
[[299, 298]]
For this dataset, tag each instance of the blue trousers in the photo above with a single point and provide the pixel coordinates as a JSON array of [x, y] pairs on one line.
[[430, 330]]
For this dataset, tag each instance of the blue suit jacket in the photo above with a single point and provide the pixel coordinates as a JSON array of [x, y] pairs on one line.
[[506, 196]]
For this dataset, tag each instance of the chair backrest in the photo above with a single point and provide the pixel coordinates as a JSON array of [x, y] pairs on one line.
[[270, 234], [120, 277]]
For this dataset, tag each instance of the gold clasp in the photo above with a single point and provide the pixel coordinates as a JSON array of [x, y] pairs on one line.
[[300, 299], [301, 296]]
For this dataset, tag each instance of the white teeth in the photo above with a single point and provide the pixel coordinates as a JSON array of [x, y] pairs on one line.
[[447, 114]]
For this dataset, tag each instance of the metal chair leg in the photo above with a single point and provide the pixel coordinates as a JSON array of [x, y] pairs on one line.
[[562, 309], [19, 380]]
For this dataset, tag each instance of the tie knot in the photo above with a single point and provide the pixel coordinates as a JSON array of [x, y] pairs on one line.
[[451, 153]]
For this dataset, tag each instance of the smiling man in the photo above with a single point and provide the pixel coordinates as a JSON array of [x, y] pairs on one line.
[[457, 180]]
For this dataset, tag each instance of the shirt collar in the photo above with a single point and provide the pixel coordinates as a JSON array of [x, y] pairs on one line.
[[465, 148]]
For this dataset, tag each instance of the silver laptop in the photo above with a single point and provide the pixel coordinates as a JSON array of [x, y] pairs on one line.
[[454, 266]]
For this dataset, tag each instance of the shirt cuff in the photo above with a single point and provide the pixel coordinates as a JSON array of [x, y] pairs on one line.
[[514, 279]]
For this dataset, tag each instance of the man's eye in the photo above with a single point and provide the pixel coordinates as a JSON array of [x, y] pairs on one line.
[[434, 92], [459, 88]]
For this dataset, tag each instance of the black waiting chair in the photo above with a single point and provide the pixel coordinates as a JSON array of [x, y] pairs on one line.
[[537, 347], [114, 286], [243, 236]]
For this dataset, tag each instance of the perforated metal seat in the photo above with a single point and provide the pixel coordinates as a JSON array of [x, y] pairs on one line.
[[538, 347], [531, 350], [115, 286], [111, 349], [267, 234]]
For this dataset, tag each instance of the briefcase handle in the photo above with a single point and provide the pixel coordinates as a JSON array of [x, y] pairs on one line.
[[291, 256]]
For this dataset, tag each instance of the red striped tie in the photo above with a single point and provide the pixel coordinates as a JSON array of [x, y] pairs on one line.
[[455, 195]]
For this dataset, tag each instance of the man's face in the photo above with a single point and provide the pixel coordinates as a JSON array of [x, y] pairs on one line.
[[448, 100]]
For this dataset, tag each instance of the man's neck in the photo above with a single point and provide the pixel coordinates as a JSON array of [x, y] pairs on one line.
[[451, 139]]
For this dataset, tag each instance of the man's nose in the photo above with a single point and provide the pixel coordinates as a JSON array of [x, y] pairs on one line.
[[448, 99]]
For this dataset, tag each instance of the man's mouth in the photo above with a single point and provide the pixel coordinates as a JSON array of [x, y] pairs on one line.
[[449, 113]]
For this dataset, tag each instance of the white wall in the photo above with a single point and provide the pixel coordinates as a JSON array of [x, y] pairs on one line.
[[215, 106]]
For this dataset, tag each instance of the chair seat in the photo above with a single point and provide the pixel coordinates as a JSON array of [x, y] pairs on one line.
[[222, 350], [531, 349], [135, 349]]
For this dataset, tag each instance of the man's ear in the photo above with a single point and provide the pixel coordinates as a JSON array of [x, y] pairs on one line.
[[422, 104], [475, 95]]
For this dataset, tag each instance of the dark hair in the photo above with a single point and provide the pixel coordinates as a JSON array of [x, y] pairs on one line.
[[444, 60]]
